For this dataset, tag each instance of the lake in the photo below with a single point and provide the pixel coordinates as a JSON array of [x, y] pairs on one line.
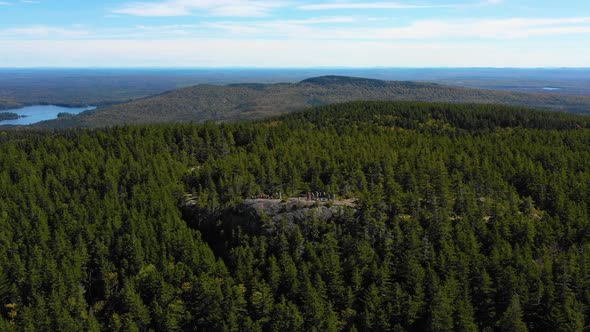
[[38, 113]]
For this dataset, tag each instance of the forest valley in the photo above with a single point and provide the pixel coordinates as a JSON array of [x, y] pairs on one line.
[[466, 218]]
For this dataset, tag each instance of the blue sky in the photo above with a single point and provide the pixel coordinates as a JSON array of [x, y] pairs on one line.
[[285, 33]]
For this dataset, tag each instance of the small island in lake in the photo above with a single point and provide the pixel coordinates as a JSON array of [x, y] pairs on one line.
[[64, 115], [10, 116]]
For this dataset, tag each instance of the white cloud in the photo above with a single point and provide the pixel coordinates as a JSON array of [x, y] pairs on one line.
[[5, 3], [393, 5], [288, 53], [302, 28], [233, 8], [513, 28], [497, 29], [155, 9], [362, 5], [344, 28], [43, 32]]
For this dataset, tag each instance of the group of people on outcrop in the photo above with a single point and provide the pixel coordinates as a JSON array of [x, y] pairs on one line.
[[320, 196], [277, 195]]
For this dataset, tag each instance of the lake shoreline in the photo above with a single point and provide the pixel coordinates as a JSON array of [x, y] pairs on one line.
[[33, 114]]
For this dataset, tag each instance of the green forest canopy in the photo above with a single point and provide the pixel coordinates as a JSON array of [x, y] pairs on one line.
[[469, 218]]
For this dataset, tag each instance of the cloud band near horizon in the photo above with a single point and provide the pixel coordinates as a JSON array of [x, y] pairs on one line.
[[341, 33]]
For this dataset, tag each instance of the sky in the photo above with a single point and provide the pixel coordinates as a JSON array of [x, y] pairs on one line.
[[294, 33]]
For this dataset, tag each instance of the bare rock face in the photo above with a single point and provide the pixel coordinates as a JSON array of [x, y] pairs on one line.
[[271, 216], [290, 211]]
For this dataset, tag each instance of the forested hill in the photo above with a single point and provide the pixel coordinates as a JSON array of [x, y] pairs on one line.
[[9, 104], [254, 101], [465, 218]]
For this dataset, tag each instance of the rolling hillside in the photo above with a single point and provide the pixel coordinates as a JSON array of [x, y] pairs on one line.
[[253, 101], [8, 104]]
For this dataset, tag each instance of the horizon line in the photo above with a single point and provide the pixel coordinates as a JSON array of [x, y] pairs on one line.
[[276, 68]]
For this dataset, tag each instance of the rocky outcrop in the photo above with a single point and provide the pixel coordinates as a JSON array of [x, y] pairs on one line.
[[268, 216]]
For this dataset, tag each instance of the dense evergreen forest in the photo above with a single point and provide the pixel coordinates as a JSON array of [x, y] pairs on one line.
[[467, 218]]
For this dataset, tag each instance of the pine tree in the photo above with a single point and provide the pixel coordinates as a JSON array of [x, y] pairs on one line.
[[511, 319]]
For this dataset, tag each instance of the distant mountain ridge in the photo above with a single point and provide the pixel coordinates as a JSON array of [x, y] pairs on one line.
[[247, 101], [333, 79]]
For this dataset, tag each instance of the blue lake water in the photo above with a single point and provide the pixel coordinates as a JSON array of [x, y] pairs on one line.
[[38, 113]]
